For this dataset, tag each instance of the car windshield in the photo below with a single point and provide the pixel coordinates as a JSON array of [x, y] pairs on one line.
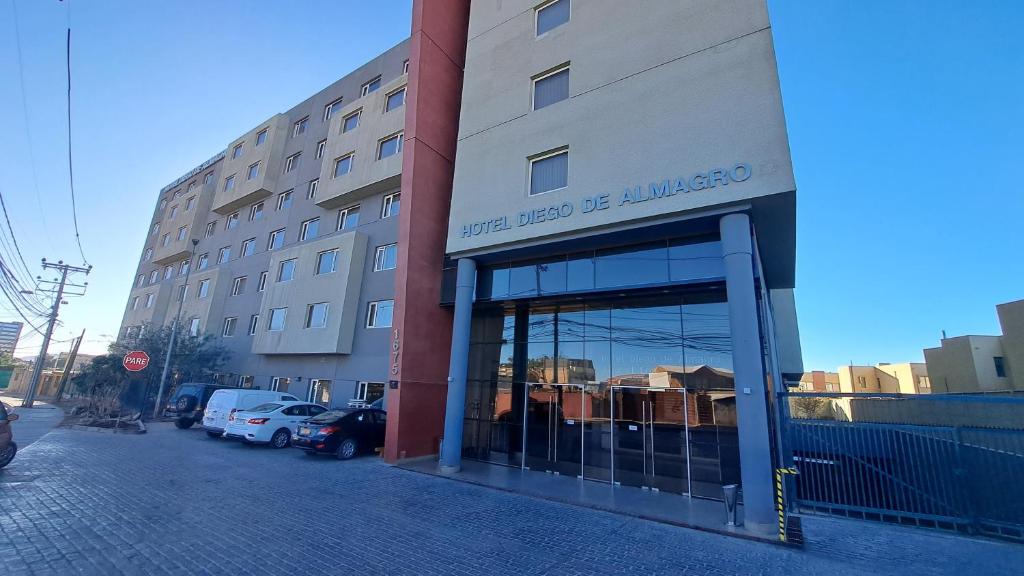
[[268, 407], [329, 416]]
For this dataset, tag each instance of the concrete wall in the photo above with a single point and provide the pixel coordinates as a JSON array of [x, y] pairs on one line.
[[1011, 319], [907, 378], [787, 331], [965, 364]]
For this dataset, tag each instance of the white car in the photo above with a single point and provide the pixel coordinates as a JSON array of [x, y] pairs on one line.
[[226, 402], [270, 423]]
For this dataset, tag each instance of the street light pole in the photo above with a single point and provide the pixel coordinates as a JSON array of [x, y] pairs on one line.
[[174, 333]]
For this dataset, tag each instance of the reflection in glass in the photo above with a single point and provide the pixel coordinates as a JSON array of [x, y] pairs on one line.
[[580, 272], [690, 261], [523, 279], [647, 264]]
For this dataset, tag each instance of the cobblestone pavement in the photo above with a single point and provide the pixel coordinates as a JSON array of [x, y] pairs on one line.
[[33, 423], [177, 502]]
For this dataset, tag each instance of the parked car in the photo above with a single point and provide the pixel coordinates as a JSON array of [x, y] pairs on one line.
[[343, 433], [7, 446], [188, 401], [270, 423], [224, 403]]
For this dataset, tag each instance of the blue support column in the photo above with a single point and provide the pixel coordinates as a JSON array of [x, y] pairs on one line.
[[751, 404], [451, 446]]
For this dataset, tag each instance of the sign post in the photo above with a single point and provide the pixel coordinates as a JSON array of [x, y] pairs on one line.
[[136, 361]]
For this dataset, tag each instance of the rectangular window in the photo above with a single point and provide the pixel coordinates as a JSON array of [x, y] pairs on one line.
[[182, 233], [394, 100], [211, 227], [155, 230], [263, 282], [351, 122], [224, 255], [191, 186], [316, 315], [204, 289], [182, 292], [154, 276], [174, 212], [284, 200], [149, 300], [999, 362], [165, 240], [549, 172], [379, 314], [320, 147], [309, 229], [190, 203], [386, 258], [140, 280], [229, 183], [311, 189], [177, 194], [168, 272], [203, 262], [254, 321], [277, 319], [300, 127], [183, 267], [405, 67], [551, 87], [237, 152], [261, 137], [371, 86], [348, 218], [147, 254], [292, 162], [248, 247], [326, 262], [238, 286], [232, 221], [229, 327], [256, 211], [208, 179], [135, 303], [286, 271], [254, 171], [343, 165], [552, 15], [331, 108], [193, 327], [276, 239], [389, 146], [392, 202]]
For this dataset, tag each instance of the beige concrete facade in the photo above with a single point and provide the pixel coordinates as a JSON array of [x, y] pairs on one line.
[[235, 189], [903, 378], [973, 363]]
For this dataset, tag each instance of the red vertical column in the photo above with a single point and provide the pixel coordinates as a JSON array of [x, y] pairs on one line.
[[421, 334]]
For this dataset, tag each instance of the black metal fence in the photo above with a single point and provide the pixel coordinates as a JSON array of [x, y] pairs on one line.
[[945, 461]]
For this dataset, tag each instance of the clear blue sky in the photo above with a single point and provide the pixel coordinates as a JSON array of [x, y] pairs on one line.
[[905, 122]]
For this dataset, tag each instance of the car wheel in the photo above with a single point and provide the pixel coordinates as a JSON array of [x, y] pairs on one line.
[[184, 423], [213, 434], [7, 454], [347, 449], [281, 439]]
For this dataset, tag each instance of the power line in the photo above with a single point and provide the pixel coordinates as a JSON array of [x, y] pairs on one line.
[[71, 171], [7, 218]]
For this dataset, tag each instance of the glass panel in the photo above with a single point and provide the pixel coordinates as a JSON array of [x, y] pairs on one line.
[[646, 342], [650, 439], [542, 325], [580, 272], [493, 425], [492, 283], [695, 261], [550, 173], [523, 280], [597, 434], [551, 89], [554, 431], [540, 362], [571, 323], [632, 266], [552, 16], [551, 276]]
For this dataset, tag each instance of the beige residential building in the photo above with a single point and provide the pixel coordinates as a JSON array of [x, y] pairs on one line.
[[975, 363], [903, 378]]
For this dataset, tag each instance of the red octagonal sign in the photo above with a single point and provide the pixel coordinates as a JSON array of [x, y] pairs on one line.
[[136, 361]]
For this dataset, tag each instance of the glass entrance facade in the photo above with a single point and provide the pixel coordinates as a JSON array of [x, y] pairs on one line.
[[632, 389]]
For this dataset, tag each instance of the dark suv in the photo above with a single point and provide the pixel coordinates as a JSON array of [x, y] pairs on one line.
[[188, 401]]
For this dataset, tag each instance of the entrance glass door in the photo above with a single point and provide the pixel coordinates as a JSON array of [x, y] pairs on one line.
[[554, 428], [649, 445]]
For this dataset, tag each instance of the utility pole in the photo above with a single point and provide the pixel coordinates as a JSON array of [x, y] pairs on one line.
[[37, 370], [174, 333], [69, 365]]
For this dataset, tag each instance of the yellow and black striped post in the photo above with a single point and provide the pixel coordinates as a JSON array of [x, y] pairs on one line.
[[779, 504]]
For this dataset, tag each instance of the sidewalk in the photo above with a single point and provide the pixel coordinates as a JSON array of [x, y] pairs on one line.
[[33, 423]]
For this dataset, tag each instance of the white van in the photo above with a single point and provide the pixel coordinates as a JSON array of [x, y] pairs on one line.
[[224, 403]]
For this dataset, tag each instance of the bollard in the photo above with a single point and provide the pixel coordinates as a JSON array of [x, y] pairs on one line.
[[730, 492]]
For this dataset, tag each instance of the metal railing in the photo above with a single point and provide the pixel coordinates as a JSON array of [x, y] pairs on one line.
[[947, 461]]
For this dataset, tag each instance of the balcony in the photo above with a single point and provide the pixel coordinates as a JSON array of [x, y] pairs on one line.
[[263, 147]]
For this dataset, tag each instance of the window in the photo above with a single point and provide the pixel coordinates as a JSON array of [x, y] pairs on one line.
[[300, 127], [326, 262], [182, 292], [177, 194], [165, 240], [229, 327], [245, 381], [232, 222], [379, 314], [174, 212], [193, 327], [190, 203], [237, 152], [203, 262], [394, 100], [999, 362], [168, 272], [149, 300], [147, 254], [284, 200], [343, 165], [309, 229], [389, 146], [551, 87], [140, 280], [331, 109], [370, 86], [369, 391], [262, 285], [316, 315], [277, 319], [286, 271], [191, 186], [392, 202], [183, 267], [319, 392], [224, 255], [163, 203], [154, 276], [386, 258], [254, 171], [135, 303], [204, 289], [552, 15], [405, 67], [292, 162], [261, 137], [208, 178], [348, 218], [248, 247], [256, 211], [155, 230], [351, 122], [238, 286], [320, 147], [276, 239], [549, 172], [279, 384], [311, 188], [862, 381], [182, 233], [229, 183], [254, 321], [211, 227]]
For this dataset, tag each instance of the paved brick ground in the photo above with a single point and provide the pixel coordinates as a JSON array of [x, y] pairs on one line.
[[174, 502]]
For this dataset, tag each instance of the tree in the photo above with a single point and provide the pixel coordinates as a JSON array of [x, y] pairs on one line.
[[109, 386]]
